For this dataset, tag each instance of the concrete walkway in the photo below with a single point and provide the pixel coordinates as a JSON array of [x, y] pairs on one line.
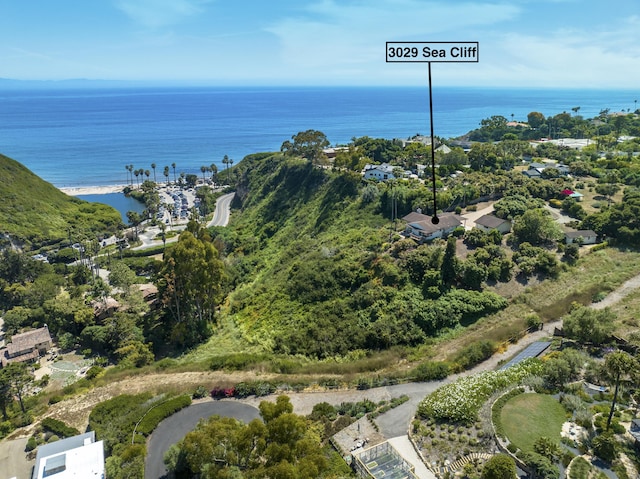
[[403, 445]]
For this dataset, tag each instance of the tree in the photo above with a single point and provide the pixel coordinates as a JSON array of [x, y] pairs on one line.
[[225, 162], [449, 263], [618, 365], [604, 446], [536, 226], [173, 165], [18, 377], [6, 396], [191, 286], [483, 156], [307, 144], [547, 448], [588, 325], [499, 466], [203, 170], [214, 172], [166, 174], [121, 276], [134, 220], [153, 167], [535, 119]]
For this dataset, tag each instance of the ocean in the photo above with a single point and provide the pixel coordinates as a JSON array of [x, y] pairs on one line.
[[86, 137]]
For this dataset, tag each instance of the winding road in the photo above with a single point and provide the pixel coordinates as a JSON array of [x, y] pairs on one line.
[[175, 427]]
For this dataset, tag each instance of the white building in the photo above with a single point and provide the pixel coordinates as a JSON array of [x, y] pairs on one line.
[[379, 172], [74, 457]]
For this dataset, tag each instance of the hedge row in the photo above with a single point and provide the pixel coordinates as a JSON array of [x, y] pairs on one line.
[[162, 411], [59, 428]]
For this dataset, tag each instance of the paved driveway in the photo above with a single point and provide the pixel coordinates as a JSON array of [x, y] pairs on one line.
[[175, 427], [13, 460]]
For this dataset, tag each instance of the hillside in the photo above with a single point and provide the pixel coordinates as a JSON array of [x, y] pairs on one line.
[[34, 212], [314, 271]]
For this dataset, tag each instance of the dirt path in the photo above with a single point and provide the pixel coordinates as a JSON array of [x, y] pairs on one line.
[[619, 294]]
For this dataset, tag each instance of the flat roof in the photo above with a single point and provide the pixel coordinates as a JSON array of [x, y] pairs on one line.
[[77, 457]]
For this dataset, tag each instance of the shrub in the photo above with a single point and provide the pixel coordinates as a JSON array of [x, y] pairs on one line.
[[93, 372], [475, 353], [200, 392], [31, 444], [165, 363], [59, 428], [431, 371], [153, 417]]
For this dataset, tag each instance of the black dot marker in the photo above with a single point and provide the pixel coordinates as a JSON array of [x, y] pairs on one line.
[[435, 220]]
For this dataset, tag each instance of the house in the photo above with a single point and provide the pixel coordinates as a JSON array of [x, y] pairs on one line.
[[421, 228], [572, 194], [77, 456], [535, 169], [26, 347], [587, 237], [379, 172], [491, 222]]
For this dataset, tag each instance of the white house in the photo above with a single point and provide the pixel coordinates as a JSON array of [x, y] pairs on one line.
[[78, 456], [421, 228], [587, 237], [379, 172]]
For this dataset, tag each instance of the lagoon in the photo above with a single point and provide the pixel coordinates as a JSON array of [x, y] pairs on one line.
[[119, 201]]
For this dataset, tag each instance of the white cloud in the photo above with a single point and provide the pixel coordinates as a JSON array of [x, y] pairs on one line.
[[160, 13], [352, 35]]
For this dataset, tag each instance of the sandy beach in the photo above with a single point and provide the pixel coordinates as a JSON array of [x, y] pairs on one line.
[[92, 190]]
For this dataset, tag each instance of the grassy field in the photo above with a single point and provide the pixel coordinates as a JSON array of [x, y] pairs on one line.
[[527, 417]]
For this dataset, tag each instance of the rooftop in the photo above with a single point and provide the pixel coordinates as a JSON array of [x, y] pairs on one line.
[[75, 457]]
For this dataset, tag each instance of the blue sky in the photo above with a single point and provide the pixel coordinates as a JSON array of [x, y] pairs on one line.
[[540, 43]]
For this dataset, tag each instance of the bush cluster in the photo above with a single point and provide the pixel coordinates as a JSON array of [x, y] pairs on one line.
[[59, 428], [162, 411]]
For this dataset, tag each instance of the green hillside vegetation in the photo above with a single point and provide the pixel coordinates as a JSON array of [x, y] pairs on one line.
[[313, 270], [34, 212]]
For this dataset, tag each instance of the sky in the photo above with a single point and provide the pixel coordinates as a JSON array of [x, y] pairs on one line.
[[522, 43]]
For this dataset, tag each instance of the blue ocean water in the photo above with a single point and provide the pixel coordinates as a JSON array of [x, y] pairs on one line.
[[85, 137]]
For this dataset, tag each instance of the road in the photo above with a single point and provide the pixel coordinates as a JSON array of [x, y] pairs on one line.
[[13, 461], [223, 209], [220, 218], [174, 428]]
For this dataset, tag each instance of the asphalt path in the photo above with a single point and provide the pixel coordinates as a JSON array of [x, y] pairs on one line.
[[175, 427], [221, 214]]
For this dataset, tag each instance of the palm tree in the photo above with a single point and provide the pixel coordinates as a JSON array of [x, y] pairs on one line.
[[225, 161], [137, 173], [617, 365], [147, 173], [203, 169], [166, 174], [173, 165], [214, 171], [230, 163], [126, 167], [153, 167]]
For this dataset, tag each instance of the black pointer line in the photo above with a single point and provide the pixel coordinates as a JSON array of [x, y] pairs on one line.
[[434, 219]]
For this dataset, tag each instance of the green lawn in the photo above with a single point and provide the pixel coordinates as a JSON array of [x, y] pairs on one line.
[[527, 417]]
